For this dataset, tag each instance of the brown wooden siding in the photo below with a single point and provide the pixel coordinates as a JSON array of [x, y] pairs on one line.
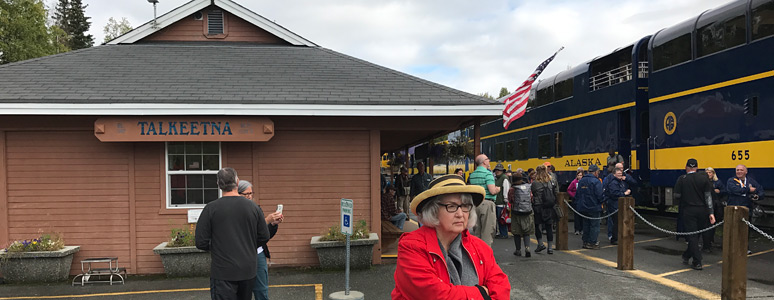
[[69, 182], [189, 29], [309, 172]]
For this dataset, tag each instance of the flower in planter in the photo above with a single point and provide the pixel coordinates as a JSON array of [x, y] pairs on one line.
[[182, 237], [333, 233], [46, 242]]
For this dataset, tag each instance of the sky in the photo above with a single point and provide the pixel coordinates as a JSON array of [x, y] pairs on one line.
[[473, 46]]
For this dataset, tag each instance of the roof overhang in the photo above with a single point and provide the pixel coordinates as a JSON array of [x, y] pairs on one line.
[[139, 109]]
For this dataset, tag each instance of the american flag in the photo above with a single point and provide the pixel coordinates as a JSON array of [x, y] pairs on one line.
[[516, 102]]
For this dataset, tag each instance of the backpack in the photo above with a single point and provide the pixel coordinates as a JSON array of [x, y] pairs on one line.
[[548, 196], [521, 205]]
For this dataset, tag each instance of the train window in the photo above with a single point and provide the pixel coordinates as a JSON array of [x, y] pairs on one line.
[[721, 29], [510, 150], [563, 89], [531, 102], [762, 19], [673, 52], [558, 143], [499, 152], [522, 148], [544, 146], [545, 95]]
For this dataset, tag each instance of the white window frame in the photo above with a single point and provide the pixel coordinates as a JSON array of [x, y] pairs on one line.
[[168, 173]]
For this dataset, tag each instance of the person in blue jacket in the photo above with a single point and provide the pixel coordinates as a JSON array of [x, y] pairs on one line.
[[589, 197], [742, 191], [631, 184], [615, 187]]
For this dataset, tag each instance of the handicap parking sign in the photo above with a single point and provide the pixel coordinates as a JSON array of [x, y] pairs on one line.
[[346, 216]]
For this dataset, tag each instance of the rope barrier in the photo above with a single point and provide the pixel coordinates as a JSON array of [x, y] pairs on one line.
[[586, 217], [758, 230], [675, 232]]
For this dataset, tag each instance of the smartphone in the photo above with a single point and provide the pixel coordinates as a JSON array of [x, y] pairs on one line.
[[279, 208]]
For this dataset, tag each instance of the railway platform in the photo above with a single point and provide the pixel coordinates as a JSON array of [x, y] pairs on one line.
[[573, 274]]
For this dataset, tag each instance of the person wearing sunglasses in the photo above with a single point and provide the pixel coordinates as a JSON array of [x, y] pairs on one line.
[[442, 259]]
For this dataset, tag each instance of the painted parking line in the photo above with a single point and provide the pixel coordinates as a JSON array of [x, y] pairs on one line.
[[709, 265], [318, 290], [703, 294]]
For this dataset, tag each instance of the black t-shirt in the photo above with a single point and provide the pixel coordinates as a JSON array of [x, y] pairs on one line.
[[232, 228], [693, 189]]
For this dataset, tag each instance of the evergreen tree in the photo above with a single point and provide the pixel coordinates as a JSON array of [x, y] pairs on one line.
[[23, 31], [69, 16]]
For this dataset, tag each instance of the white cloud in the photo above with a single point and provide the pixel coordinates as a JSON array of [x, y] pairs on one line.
[[474, 46]]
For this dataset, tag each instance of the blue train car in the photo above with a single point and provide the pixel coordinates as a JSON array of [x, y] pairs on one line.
[[703, 88]]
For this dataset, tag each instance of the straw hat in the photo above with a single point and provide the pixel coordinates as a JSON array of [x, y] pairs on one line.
[[447, 184]]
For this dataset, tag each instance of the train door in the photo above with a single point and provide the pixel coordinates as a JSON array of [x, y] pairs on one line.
[[625, 136]]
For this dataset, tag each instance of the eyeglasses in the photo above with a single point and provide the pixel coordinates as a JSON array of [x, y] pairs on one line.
[[452, 208], [246, 194]]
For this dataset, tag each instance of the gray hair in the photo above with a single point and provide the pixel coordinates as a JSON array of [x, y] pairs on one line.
[[429, 214], [227, 179], [243, 186]]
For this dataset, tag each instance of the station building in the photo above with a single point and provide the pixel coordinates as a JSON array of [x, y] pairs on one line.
[[111, 146]]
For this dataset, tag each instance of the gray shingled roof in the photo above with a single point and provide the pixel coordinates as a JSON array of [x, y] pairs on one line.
[[220, 73]]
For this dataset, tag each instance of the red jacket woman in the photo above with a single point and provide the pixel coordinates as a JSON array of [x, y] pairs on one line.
[[424, 270]]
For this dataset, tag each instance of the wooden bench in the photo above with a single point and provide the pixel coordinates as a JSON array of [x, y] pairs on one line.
[[390, 234]]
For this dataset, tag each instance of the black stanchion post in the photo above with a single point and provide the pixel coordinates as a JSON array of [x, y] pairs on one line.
[[734, 280], [625, 233]]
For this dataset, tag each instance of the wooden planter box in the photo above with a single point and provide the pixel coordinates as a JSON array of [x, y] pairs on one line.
[[184, 261], [332, 255], [40, 266]]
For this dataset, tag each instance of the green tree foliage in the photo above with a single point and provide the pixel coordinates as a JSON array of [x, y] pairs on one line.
[[503, 92], [114, 29], [486, 95], [58, 39], [69, 15], [23, 31]]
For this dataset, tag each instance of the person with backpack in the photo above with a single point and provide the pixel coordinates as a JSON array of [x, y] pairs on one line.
[[544, 196], [522, 217]]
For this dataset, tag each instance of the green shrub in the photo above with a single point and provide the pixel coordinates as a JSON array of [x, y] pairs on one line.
[[334, 232]]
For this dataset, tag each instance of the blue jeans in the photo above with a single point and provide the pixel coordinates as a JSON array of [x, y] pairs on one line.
[[591, 227], [501, 228], [261, 287], [398, 220]]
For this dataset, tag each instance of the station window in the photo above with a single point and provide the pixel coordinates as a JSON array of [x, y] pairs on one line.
[[522, 149], [673, 52], [192, 169], [544, 146], [762, 19], [558, 143], [721, 35], [510, 150], [499, 153]]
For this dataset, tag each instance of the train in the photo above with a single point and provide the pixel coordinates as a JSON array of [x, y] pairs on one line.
[[702, 89]]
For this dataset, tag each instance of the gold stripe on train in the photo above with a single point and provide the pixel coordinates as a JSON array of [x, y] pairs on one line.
[[726, 156], [591, 113], [714, 86]]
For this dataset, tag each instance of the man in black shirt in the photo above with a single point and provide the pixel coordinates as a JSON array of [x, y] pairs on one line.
[[693, 190], [231, 228]]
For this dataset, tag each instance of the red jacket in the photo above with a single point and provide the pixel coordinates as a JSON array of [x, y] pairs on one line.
[[422, 274]]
